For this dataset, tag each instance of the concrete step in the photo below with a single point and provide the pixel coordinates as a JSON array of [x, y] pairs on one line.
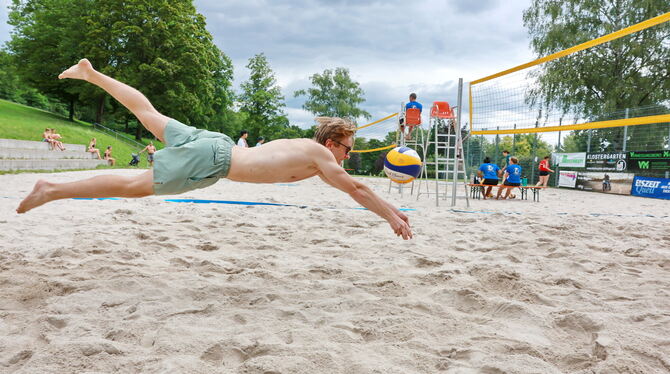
[[29, 144], [61, 164], [41, 154]]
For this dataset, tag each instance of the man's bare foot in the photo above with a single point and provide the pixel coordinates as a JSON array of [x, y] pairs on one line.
[[36, 198], [79, 71]]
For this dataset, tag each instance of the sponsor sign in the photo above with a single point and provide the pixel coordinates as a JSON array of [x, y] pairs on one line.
[[649, 161], [615, 183], [575, 160], [567, 179], [606, 161], [658, 188]]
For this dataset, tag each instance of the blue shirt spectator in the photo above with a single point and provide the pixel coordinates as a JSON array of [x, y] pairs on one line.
[[414, 104], [513, 173], [489, 170]]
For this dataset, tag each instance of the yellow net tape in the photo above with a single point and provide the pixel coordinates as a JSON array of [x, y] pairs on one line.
[[373, 150], [603, 39], [502, 102], [581, 126], [377, 121], [370, 124]]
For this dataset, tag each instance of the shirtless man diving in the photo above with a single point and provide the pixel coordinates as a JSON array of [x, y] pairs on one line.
[[195, 158]]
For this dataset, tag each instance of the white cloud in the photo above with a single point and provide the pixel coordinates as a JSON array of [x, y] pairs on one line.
[[391, 47]]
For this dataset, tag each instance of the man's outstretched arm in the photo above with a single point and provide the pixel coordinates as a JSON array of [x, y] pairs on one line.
[[335, 176]]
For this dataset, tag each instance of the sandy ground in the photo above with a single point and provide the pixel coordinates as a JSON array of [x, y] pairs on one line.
[[577, 283]]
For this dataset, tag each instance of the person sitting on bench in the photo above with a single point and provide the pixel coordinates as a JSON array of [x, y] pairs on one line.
[[511, 178], [490, 172]]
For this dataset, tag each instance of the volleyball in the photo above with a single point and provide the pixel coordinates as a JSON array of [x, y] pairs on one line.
[[402, 165]]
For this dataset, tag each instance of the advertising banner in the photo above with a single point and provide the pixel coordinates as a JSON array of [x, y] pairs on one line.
[[575, 160], [567, 179], [658, 188], [649, 161], [606, 161], [615, 183]]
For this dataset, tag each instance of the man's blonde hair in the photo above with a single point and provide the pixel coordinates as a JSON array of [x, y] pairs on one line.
[[333, 128]]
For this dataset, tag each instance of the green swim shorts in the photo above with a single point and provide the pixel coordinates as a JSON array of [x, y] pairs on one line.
[[192, 159]]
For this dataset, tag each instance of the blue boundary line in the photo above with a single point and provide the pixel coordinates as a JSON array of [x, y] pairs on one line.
[[251, 203], [231, 202]]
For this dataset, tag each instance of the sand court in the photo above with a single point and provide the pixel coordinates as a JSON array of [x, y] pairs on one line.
[[576, 283]]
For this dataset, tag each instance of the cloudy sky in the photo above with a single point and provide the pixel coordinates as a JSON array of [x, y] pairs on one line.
[[390, 47]]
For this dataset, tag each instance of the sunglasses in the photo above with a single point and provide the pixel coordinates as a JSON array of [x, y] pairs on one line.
[[348, 149]]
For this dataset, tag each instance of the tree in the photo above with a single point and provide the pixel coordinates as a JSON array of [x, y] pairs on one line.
[[364, 162], [262, 100], [160, 47], [164, 49], [44, 40], [525, 145], [629, 72], [575, 142], [334, 95], [9, 81]]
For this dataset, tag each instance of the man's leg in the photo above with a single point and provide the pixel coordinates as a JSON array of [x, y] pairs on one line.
[[101, 186], [131, 98], [508, 192]]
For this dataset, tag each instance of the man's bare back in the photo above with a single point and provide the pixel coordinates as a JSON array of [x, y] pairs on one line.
[[283, 160]]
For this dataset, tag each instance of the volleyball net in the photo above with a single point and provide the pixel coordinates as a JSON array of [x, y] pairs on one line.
[[530, 98], [378, 130]]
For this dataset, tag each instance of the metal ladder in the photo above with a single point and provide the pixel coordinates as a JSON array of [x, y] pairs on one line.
[[448, 162]]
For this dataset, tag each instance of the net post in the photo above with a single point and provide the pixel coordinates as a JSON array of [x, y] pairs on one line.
[[481, 148], [533, 150], [625, 132], [497, 145], [457, 130], [558, 148]]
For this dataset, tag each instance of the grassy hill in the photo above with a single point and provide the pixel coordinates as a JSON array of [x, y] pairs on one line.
[[25, 123]]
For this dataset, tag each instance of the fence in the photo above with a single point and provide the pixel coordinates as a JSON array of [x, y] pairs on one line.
[[653, 137], [118, 136]]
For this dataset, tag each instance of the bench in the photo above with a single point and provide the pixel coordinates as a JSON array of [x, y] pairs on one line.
[[477, 190]]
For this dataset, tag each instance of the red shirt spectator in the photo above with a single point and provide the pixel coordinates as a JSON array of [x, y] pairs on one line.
[[544, 165]]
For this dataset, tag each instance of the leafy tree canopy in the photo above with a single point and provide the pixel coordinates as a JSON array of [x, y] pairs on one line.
[[159, 47], [628, 72], [599, 83], [334, 94], [262, 100]]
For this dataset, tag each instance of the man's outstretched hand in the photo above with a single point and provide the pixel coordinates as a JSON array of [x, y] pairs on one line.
[[402, 216], [400, 225]]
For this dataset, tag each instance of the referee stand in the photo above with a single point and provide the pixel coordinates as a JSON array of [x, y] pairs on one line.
[[448, 160]]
